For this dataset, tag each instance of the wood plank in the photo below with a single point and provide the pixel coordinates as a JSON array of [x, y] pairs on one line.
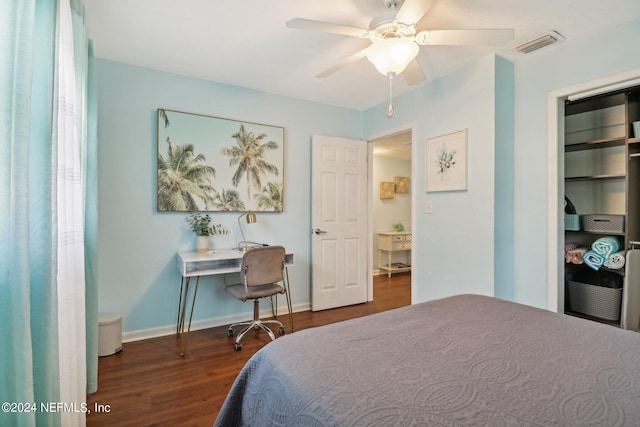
[[149, 384]]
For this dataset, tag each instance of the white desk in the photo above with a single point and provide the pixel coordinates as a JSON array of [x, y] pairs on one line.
[[223, 261]]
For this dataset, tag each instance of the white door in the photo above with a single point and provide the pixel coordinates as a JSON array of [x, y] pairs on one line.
[[339, 222]]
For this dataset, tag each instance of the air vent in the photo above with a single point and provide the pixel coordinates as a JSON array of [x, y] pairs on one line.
[[538, 43]]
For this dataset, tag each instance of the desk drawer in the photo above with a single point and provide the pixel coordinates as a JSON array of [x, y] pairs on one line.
[[402, 245], [394, 242]]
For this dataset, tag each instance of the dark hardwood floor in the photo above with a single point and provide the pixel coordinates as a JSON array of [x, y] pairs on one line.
[[149, 384]]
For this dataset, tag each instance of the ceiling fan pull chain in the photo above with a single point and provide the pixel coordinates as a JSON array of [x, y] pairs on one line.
[[390, 107]]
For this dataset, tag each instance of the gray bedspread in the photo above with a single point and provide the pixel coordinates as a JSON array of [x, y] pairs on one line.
[[466, 360]]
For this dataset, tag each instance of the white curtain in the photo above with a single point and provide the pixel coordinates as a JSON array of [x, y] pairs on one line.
[[68, 132], [47, 211]]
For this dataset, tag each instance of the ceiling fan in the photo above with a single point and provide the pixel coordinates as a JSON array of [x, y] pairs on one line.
[[395, 38]]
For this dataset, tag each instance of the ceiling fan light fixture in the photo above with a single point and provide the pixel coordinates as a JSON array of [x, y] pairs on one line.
[[391, 56]]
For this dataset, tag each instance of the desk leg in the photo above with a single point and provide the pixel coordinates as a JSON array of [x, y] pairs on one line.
[[184, 337], [182, 310], [180, 319], [182, 304], [288, 297]]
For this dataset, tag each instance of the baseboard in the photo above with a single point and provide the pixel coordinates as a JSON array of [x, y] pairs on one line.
[[212, 322]]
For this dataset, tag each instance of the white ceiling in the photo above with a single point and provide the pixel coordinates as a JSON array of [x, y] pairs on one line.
[[396, 146], [246, 43]]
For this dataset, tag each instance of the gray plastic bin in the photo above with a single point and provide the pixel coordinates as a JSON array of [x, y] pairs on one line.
[[593, 300]]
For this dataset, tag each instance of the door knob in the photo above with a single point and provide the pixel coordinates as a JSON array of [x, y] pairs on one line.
[[318, 231]]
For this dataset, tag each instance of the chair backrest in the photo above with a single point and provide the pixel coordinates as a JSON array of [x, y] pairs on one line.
[[263, 265]]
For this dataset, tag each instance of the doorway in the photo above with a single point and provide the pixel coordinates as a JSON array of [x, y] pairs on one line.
[[391, 206], [555, 212]]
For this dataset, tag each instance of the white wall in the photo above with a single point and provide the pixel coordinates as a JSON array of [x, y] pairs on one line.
[[387, 212]]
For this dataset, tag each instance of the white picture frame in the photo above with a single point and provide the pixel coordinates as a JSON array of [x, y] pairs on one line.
[[446, 162]]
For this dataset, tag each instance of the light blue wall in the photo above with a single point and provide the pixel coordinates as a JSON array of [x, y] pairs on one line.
[[566, 64], [453, 246], [464, 246], [137, 274], [504, 178]]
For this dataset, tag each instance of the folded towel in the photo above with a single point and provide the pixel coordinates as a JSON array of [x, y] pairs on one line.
[[593, 259], [569, 246], [606, 246], [575, 256], [615, 261]]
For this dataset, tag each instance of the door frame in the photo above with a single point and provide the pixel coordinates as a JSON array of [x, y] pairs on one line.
[[555, 178], [411, 127]]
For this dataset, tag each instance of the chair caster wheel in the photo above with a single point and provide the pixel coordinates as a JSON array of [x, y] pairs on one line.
[[230, 333], [281, 330], [238, 347]]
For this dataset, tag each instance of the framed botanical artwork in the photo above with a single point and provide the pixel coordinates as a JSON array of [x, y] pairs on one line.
[[387, 190], [402, 184], [446, 158], [212, 164]]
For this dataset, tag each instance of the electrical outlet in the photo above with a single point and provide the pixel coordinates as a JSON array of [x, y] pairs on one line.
[[429, 207]]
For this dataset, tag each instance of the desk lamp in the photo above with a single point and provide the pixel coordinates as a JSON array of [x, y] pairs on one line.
[[251, 218]]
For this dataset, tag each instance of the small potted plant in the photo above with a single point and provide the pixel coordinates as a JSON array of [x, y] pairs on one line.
[[202, 226]]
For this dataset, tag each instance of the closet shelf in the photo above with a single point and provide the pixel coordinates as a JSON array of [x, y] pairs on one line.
[[598, 233], [595, 144], [594, 177]]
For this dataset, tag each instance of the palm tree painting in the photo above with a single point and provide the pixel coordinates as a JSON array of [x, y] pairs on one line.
[[249, 156], [271, 197], [218, 165], [228, 200], [184, 180]]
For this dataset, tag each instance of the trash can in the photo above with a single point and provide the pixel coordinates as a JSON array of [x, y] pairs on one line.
[[109, 334]]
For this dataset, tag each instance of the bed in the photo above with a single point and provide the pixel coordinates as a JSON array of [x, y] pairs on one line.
[[459, 361]]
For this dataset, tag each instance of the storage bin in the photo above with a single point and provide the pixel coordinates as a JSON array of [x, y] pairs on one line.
[[603, 223], [593, 300], [109, 334], [571, 222]]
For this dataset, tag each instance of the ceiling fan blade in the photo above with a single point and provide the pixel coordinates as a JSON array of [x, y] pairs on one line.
[[412, 11], [485, 37], [350, 60], [413, 74], [307, 24]]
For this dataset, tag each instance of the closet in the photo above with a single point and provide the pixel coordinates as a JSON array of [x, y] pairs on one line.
[[602, 205]]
